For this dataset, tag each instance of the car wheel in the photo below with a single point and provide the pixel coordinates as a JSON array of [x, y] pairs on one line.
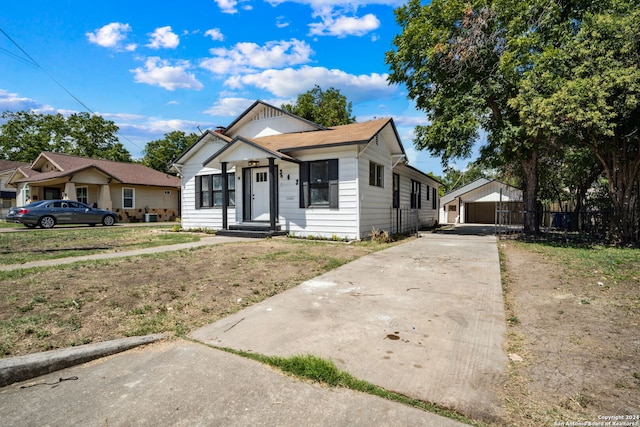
[[47, 222], [108, 220]]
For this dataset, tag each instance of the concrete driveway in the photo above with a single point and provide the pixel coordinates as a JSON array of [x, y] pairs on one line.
[[425, 318]]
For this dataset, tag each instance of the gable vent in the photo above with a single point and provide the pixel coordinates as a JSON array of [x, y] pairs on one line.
[[267, 113]]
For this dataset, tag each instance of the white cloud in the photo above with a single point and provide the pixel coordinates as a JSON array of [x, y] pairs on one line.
[[111, 36], [289, 82], [121, 116], [13, 102], [159, 72], [163, 37], [215, 34], [229, 107], [281, 22], [343, 26], [248, 57], [353, 4], [227, 6]]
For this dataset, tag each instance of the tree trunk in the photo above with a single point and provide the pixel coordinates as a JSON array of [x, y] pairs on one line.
[[530, 192]]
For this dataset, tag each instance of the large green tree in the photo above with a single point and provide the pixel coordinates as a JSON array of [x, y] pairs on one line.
[[465, 63], [159, 153], [26, 134], [586, 89], [450, 55], [324, 107]]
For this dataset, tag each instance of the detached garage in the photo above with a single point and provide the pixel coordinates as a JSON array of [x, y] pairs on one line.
[[478, 202]]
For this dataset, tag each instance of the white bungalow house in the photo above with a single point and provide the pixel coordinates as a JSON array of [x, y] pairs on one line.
[[272, 171], [478, 202]]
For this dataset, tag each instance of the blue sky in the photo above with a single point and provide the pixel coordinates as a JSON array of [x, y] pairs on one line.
[[155, 67]]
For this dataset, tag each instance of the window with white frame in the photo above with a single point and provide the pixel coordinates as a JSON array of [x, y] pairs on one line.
[[82, 194], [128, 198]]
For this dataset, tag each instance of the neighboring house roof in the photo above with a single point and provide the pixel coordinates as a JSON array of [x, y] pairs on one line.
[[125, 173], [9, 165], [480, 182]]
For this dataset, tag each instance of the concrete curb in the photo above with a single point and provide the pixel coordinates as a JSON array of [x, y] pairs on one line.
[[20, 368]]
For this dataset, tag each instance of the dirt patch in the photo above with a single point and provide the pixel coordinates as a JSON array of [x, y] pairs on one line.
[[576, 333], [172, 292]]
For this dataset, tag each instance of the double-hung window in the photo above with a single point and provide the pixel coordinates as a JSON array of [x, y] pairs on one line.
[[376, 175], [209, 190], [128, 198], [416, 190], [319, 183], [82, 194]]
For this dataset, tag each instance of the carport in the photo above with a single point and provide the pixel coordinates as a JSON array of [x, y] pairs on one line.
[[478, 202]]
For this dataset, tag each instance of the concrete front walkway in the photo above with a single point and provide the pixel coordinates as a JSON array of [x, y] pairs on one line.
[[424, 318], [204, 241]]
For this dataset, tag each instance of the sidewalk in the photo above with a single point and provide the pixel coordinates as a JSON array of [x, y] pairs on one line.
[[205, 241]]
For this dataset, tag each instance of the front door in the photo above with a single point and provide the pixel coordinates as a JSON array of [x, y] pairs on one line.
[[260, 194]]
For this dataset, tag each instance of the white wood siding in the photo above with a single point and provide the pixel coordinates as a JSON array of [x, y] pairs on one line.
[[207, 218], [427, 215], [375, 202], [240, 152], [263, 125], [322, 222]]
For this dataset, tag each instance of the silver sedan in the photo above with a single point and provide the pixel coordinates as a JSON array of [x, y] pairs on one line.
[[48, 213]]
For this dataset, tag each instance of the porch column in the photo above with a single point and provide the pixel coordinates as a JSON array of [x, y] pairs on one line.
[[272, 194], [70, 191], [104, 201], [225, 195]]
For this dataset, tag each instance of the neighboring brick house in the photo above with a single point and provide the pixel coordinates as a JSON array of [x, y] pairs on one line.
[[129, 189]]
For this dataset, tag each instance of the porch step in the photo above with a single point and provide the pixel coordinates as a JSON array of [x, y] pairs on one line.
[[252, 226], [255, 234]]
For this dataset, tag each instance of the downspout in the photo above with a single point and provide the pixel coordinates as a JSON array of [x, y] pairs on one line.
[[360, 194], [272, 194], [225, 195]]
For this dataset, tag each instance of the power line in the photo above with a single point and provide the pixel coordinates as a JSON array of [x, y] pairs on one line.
[[34, 63]]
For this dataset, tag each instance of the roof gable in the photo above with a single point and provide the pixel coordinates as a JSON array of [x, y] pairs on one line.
[[474, 186], [262, 119], [208, 137]]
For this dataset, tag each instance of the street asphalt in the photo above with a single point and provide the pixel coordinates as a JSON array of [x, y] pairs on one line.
[[424, 319]]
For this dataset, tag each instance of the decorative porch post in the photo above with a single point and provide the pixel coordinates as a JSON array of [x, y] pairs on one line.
[[225, 195], [272, 194], [70, 190]]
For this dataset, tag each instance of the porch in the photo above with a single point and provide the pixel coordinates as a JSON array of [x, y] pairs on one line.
[[257, 230]]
